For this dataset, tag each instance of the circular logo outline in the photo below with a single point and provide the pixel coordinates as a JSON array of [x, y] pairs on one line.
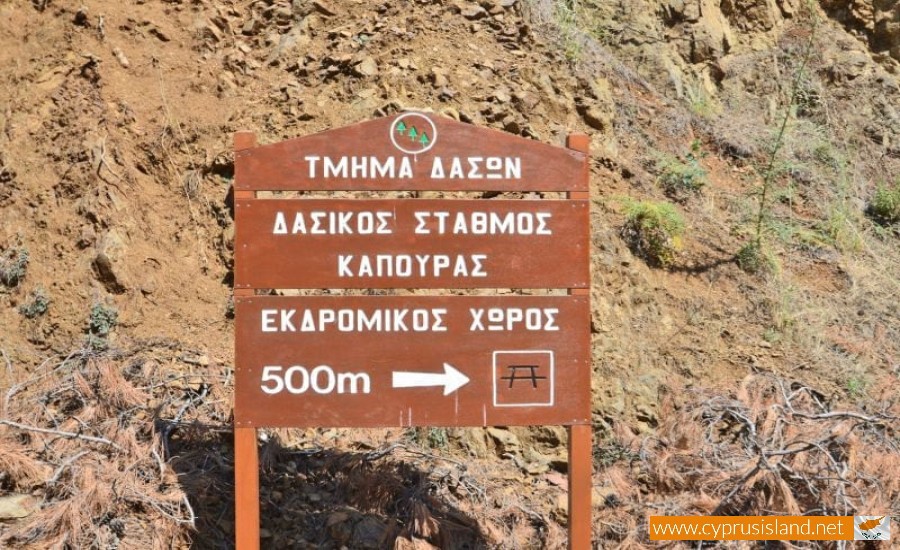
[[434, 133]]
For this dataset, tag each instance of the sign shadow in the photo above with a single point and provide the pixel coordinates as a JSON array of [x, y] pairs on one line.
[[324, 498]]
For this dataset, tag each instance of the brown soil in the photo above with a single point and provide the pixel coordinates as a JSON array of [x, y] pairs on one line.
[[116, 125]]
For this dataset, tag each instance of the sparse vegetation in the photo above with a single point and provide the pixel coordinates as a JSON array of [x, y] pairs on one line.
[[840, 229], [37, 305], [856, 386], [579, 21], [432, 437], [782, 310], [682, 178], [653, 230], [100, 323], [567, 18], [885, 204], [754, 252], [700, 102], [753, 258], [13, 266]]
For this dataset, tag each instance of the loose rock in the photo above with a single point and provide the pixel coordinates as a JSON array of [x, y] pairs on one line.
[[474, 12], [367, 66], [120, 57]]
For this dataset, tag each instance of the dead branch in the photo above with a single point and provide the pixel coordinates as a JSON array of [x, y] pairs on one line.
[[68, 435], [62, 467], [737, 487], [877, 419], [13, 390]]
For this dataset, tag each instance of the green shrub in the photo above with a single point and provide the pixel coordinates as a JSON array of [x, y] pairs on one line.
[[681, 178], [37, 304], [753, 258], [857, 386], [431, 438], [13, 265], [840, 229], [653, 231], [102, 320], [885, 204], [100, 323]]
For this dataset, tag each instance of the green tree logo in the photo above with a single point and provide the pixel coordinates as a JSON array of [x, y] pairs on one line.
[[418, 128]]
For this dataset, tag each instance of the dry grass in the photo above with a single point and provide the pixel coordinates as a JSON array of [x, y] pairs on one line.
[[770, 448], [18, 469], [101, 437], [85, 436]]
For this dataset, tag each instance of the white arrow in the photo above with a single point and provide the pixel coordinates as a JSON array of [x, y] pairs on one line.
[[451, 379]]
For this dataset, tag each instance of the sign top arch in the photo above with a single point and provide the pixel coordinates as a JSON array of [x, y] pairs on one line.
[[412, 150]]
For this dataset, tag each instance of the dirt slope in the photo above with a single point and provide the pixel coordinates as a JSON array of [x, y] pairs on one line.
[[115, 167]]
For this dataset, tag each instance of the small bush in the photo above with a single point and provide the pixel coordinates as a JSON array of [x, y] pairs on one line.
[[885, 204], [102, 320], [653, 230], [753, 258], [13, 265], [100, 323], [432, 438], [857, 386], [681, 178], [37, 304], [840, 230]]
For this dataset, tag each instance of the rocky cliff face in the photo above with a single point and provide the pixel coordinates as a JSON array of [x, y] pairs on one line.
[[877, 21], [732, 61]]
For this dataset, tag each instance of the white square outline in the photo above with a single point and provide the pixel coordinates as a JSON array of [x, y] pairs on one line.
[[552, 378]]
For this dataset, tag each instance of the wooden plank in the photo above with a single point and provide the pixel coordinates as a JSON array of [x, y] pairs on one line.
[[333, 360], [246, 489], [580, 486], [325, 243], [379, 155], [581, 457], [246, 452]]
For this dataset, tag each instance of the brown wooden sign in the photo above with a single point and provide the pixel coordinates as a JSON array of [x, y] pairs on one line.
[[323, 243], [411, 151], [367, 361], [370, 361]]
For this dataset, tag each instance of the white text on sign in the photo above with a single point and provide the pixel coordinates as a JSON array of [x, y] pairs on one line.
[[495, 319], [409, 265], [323, 380], [370, 167], [325, 222]]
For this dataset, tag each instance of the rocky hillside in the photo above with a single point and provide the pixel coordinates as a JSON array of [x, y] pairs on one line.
[[746, 260]]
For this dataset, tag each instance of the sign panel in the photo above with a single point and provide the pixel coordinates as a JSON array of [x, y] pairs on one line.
[[411, 151], [325, 243], [382, 361]]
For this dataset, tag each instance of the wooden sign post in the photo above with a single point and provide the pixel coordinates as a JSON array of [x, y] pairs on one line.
[[397, 361]]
